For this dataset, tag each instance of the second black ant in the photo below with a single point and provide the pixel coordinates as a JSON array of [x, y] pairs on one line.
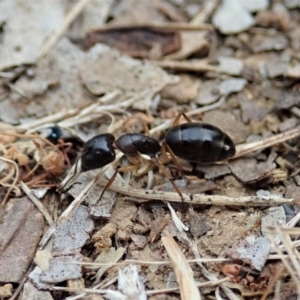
[[191, 141]]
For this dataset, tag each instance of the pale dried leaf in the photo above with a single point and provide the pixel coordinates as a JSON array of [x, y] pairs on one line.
[[95, 14], [60, 67], [253, 251], [191, 42], [35, 276], [73, 233], [63, 268], [144, 11]]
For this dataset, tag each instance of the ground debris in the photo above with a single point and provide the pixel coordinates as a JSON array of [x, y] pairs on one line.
[[20, 45], [147, 62], [274, 216], [31, 292], [130, 285], [102, 238], [122, 73], [6, 290]]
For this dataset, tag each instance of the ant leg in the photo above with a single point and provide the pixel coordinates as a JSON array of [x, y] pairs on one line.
[[72, 175], [109, 183], [146, 128], [182, 114], [176, 163], [164, 155], [175, 160], [126, 169], [163, 170], [186, 117]]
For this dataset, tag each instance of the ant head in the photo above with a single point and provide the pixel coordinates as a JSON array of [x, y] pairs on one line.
[[98, 152]]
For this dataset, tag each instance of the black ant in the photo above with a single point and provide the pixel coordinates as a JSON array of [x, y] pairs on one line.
[[194, 142]]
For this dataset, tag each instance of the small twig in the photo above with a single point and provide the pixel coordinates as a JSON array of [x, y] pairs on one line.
[[205, 12], [194, 65], [198, 198], [70, 17], [64, 116], [40, 206], [153, 292], [155, 263], [244, 149]]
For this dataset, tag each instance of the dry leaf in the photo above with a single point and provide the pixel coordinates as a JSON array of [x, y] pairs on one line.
[[184, 273], [137, 41]]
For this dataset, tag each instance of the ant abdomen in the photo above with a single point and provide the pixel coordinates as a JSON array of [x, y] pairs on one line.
[[200, 143]]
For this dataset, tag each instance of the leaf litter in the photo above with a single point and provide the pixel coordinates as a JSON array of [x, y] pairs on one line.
[[240, 219]]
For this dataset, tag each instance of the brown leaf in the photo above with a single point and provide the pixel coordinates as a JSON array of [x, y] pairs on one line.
[[137, 41], [20, 233]]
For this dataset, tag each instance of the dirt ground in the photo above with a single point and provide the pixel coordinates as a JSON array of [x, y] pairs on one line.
[[224, 227]]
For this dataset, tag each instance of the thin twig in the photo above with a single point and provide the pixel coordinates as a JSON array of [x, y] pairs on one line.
[[153, 292], [40, 206], [276, 139], [65, 116], [198, 198], [166, 25], [194, 65]]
